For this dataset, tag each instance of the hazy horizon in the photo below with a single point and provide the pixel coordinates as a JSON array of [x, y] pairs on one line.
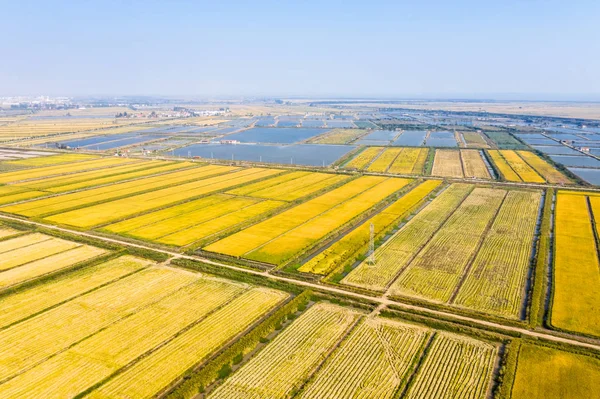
[[535, 50]]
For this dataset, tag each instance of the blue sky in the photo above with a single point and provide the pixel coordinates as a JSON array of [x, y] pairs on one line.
[[446, 49]]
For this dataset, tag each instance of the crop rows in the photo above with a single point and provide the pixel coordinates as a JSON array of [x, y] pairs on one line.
[[507, 172], [348, 246], [383, 162], [65, 202], [576, 285], [455, 367], [278, 239], [121, 208], [52, 159], [526, 166], [300, 187], [547, 171], [436, 270], [397, 252], [473, 164], [364, 158], [499, 272], [371, 362], [462, 163], [410, 161], [287, 362], [29, 302], [475, 140], [6, 231]]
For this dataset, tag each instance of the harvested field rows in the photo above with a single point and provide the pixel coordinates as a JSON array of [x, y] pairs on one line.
[[292, 356], [499, 272], [62, 203], [455, 367], [372, 362], [129, 206], [364, 158], [6, 231], [436, 270], [461, 163], [349, 245], [576, 286], [279, 238], [397, 252], [410, 161], [473, 165]]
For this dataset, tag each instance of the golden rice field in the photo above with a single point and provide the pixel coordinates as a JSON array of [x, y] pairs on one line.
[[526, 166], [544, 372], [364, 158], [576, 283], [93, 323], [52, 160], [348, 246], [411, 161], [338, 136], [285, 235], [24, 129], [384, 160], [459, 163]]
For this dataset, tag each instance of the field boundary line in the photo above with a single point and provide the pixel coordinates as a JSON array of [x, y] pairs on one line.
[[333, 290], [420, 359]]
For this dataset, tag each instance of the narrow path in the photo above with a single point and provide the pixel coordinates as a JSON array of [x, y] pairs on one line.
[[325, 288]]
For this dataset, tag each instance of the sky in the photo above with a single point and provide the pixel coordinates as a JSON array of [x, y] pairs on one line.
[[527, 49]]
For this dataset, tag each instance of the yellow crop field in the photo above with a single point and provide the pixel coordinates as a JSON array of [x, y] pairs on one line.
[[23, 241], [547, 171], [32, 341], [455, 367], [22, 255], [47, 171], [220, 224], [498, 274], [52, 160], [338, 136], [19, 195], [300, 187], [566, 375], [82, 180], [395, 254], [26, 303], [282, 248], [114, 210], [259, 234], [292, 356], [473, 165], [383, 162], [348, 246], [251, 188], [52, 263], [66, 202], [158, 369], [505, 169], [576, 288], [372, 361], [447, 163], [364, 158], [410, 161], [525, 172], [6, 231], [436, 271]]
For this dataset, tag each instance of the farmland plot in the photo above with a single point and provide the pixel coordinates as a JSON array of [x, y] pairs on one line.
[[447, 163], [52, 160], [338, 136], [371, 362], [6, 231], [350, 244], [255, 236], [546, 170], [525, 172], [497, 278], [65, 202], [551, 373], [410, 161], [364, 158], [505, 169], [301, 187], [26, 303], [292, 356], [396, 253], [576, 288], [383, 162], [473, 165], [114, 210], [436, 271], [474, 140], [455, 367]]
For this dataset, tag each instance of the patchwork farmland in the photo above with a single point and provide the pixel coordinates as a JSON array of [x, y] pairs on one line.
[[170, 278]]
